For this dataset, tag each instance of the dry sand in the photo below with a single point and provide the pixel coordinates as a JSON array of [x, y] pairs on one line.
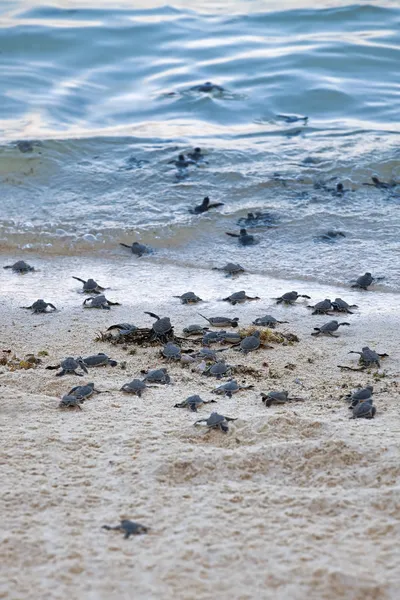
[[294, 502]]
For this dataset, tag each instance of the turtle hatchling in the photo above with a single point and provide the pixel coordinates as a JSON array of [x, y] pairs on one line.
[[244, 238], [162, 326], [171, 351], [20, 267], [40, 306], [250, 343], [99, 360], [192, 403], [364, 410], [123, 328], [138, 249], [230, 387], [216, 421], [239, 297], [359, 395], [194, 330], [369, 357], [207, 88], [364, 281], [290, 298], [322, 308], [69, 366], [211, 337], [218, 370], [157, 376], [278, 398], [229, 337], [82, 392], [222, 321], [230, 269], [205, 206], [128, 528], [90, 286], [329, 328], [68, 401], [268, 321], [340, 305], [189, 298], [136, 387], [99, 301]]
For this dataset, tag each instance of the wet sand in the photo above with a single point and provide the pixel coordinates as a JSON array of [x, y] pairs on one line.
[[294, 502]]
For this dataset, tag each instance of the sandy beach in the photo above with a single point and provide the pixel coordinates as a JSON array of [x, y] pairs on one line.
[[295, 502]]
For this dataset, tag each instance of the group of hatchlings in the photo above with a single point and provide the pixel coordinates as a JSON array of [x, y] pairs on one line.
[[360, 401]]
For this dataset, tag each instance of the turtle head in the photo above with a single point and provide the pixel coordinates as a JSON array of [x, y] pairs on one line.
[[181, 157], [206, 201]]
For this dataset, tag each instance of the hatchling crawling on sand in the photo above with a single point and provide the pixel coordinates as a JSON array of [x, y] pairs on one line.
[[205, 206], [290, 298], [278, 398], [216, 421], [329, 328], [189, 298], [69, 401], [157, 376], [137, 249], [99, 360], [136, 387], [171, 351], [20, 267], [99, 301], [268, 321], [364, 410], [82, 392], [123, 328], [250, 343], [364, 281], [368, 357], [222, 321], [90, 286], [162, 327], [40, 306], [128, 528], [244, 238], [359, 395], [192, 403], [239, 297], [69, 366], [340, 305], [322, 308], [230, 387], [230, 269], [218, 370], [229, 337], [195, 329]]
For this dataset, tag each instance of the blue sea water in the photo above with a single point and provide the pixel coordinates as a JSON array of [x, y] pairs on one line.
[[102, 91]]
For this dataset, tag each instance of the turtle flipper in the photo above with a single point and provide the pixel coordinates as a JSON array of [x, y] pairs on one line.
[[152, 315], [113, 303], [78, 279], [236, 235], [26, 307], [51, 305], [61, 373], [125, 245]]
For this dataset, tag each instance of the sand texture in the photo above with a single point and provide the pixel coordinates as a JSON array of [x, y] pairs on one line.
[[295, 502]]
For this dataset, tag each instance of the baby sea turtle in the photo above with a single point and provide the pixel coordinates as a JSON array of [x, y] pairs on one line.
[[171, 351], [205, 206], [250, 343], [222, 321], [257, 219], [137, 249], [207, 354], [376, 182], [82, 392], [211, 337], [218, 370], [128, 528], [322, 308], [330, 236], [364, 281], [69, 366], [192, 403], [162, 326], [90, 286], [230, 387], [99, 301], [136, 387], [99, 360], [268, 321], [25, 146], [207, 88], [194, 329], [292, 118], [68, 401], [40, 306], [290, 298], [157, 376], [216, 421], [189, 298], [20, 267], [359, 395], [229, 337], [329, 328], [244, 238], [123, 328], [340, 305], [182, 163], [364, 410], [278, 398], [239, 297], [230, 269], [369, 357], [196, 155]]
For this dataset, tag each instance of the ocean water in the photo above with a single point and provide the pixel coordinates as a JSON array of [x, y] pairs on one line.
[[101, 94]]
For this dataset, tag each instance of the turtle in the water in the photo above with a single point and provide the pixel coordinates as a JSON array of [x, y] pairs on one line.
[[292, 118], [182, 163], [329, 328], [364, 281], [322, 308], [216, 421], [157, 376], [250, 343], [340, 305], [257, 219], [368, 357], [290, 298], [136, 387], [278, 398], [162, 328], [205, 206], [137, 249], [189, 298], [376, 182], [268, 321], [90, 286], [192, 403], [99, 301], [239, 297], [218, 370], [222, 321], [230, 387], [128, 528], [171, 351], [207, 88], [359, 395], [99, 360], [69, 401], [69, 366], [25, 146], [194, 329], [82, 392], [230, 269], [196, 155], [123, 328], [40, 306], [330, 236], [20, 267], [244, 238], [364, 410]]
